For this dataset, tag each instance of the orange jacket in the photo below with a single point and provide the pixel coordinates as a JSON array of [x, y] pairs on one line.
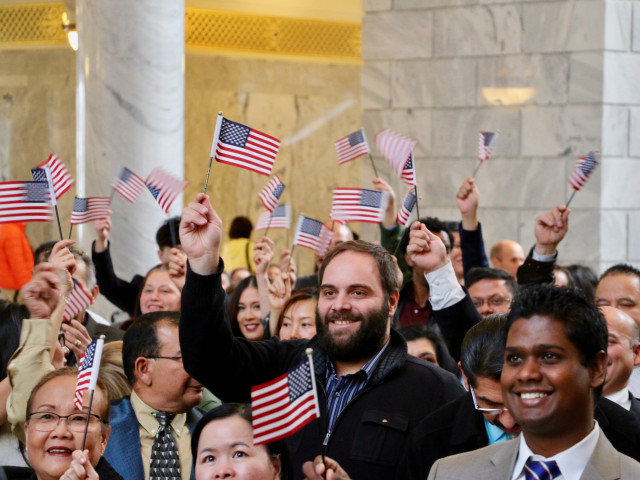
[[16, 257]]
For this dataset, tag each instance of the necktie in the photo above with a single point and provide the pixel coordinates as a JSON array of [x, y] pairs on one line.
[[165, 462], [540, 470]]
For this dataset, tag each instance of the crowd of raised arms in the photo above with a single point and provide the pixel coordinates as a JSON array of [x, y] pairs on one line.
[[429, 358]]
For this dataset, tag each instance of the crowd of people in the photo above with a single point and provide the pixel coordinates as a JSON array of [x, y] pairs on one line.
[[431, 358]]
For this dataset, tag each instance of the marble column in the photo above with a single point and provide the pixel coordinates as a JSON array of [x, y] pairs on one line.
[[440, 71], [130, 111]]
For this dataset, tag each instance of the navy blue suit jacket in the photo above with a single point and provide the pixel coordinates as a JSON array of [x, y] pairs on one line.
[[123, 447]]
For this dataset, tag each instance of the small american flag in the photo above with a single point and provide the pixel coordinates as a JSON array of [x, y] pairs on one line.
[[164, 187], [283, 406], [359, 205], [244, 147], [128, 184], [408, 174], [25, 202], [88, 369], [584, 168], [78, 301], [60, 176], [486, 143], [351, 147], [280, 218], [396, 148], [90, 208], [270, 195], [408, 204], [312, 234]]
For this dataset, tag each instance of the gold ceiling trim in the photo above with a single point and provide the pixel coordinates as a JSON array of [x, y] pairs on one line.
[[33, 25], [262, 35], [40, 25]]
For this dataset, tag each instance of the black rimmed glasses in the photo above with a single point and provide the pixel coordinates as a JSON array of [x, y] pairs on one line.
[[48, 421], [179, 358], [489, 411], [492, 302]]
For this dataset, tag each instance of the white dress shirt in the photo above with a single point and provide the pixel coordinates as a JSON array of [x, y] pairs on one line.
[[571, 462]]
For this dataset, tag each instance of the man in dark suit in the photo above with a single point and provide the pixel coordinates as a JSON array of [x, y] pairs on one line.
[[162, 401], [624, 354], [554, 369]]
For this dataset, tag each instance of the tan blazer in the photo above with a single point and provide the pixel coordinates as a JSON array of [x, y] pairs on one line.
[[496, 462]]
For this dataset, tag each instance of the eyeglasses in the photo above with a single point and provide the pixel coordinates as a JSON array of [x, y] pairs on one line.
[[166, 358], [48, 421], [492, 302], [61, 339], [490, 411]]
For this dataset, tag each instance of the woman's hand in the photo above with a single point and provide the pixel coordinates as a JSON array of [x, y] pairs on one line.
[[80, 468]]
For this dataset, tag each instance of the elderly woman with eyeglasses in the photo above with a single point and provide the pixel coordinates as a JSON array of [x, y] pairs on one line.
[[54, 432]]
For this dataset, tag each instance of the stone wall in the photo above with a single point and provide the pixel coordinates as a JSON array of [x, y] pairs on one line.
[[427, 64]]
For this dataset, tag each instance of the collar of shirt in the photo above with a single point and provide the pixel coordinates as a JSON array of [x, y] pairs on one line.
[[368, 367], [495, 434], [149, 423], [621, 397], [571, 462]]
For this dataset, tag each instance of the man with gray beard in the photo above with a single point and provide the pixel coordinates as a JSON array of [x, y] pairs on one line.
[[371, 392]]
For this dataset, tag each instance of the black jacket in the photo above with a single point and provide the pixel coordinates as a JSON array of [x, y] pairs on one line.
[[370, 432]]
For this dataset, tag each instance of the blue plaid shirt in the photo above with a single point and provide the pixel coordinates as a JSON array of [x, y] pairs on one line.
[[340, 390]]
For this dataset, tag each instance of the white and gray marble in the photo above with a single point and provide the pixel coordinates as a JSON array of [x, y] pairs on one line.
[[389, 30], [131, 70], [634, 127]]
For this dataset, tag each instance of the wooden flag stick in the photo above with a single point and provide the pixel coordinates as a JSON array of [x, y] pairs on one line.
[[86, 425], [415, 191], [375, 172], [289, 263], [266, 232], [70, 229], [216, 134], [477, 168], [570, 198], [174, 240]]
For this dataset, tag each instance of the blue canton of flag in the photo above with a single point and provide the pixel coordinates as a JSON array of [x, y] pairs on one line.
[[234, 133], [88, 357], [37, 192], [155, 191], [39, 175], [278, 191], [311, 226], [356, 138], [371, 198], [80, 204], [299, 381]]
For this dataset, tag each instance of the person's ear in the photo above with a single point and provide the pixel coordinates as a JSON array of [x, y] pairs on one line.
[[598, 369], [277, 466], [106, 431], [394, 298], [636, 355], [95, 291], [143, 370], [465, 380]]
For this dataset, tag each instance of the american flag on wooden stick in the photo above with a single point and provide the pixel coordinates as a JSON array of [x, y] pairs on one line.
[[25, 202], [584, 168], [78, 301], [396, 148], [486, 143], [89, 209], [351, 147], [244, 147], [128, 184], [60, 176], [312, 234], [164, 186], [278, 219], [359, 205], [271, 193], [284, 405], [408, 204], [88, 369]]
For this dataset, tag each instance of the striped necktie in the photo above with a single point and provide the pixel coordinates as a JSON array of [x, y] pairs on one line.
[[165, 461], [540, 470]]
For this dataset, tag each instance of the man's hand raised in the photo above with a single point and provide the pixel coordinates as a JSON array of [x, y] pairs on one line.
[[200, 235], [48, 288], [426, 249], [550, 229]]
